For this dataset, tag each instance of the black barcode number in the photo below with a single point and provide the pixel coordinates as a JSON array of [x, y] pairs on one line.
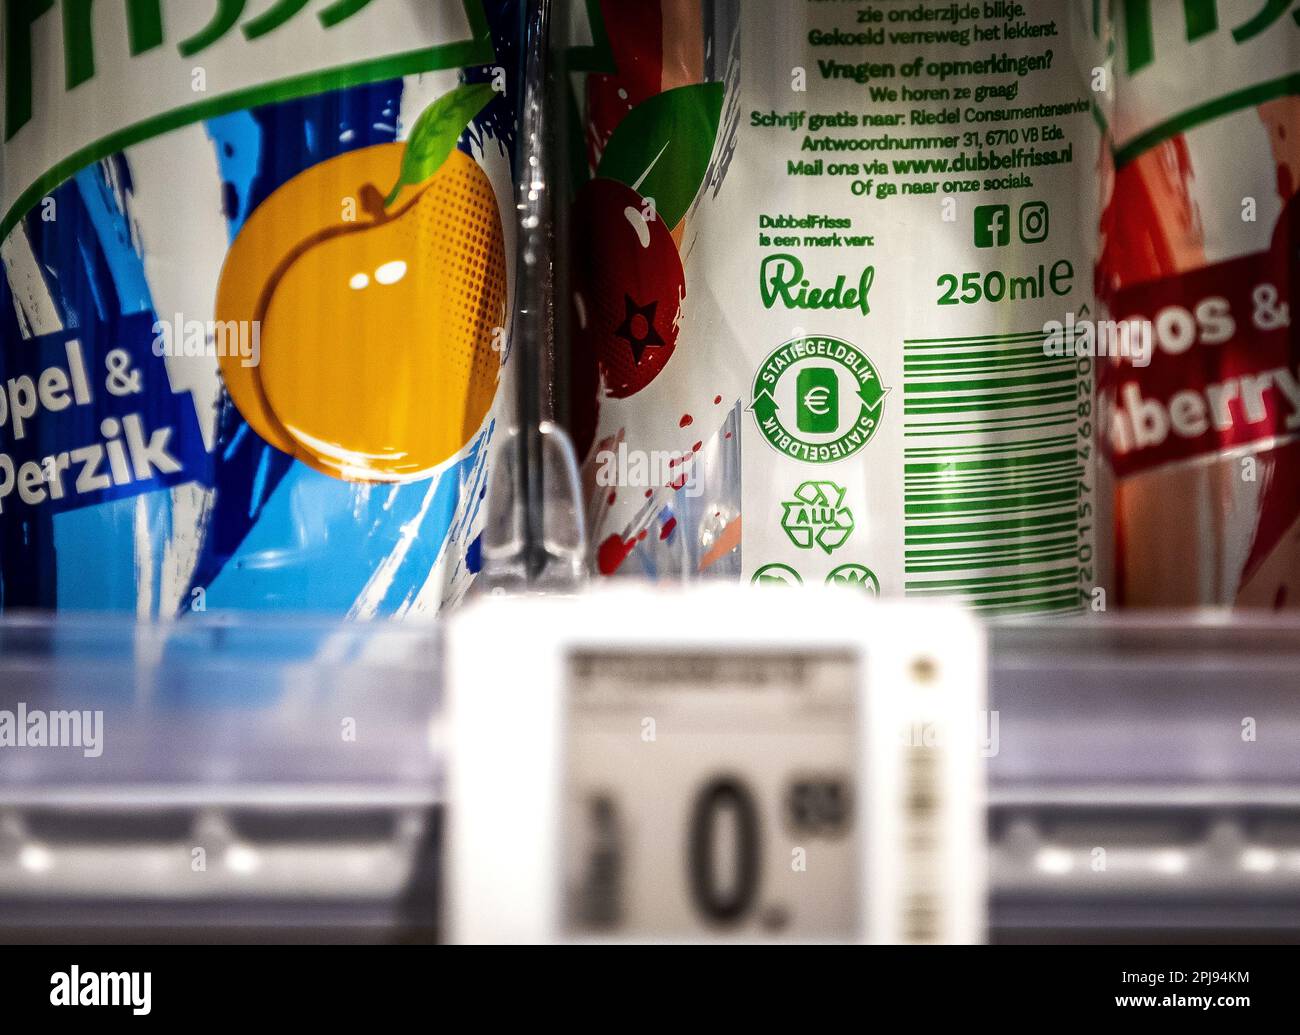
[[717, 902]]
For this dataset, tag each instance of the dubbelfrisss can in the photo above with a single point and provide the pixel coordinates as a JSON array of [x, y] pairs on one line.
[[255, 307]]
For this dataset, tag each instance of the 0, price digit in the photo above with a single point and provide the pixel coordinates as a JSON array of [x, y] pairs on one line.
[[722, 904]]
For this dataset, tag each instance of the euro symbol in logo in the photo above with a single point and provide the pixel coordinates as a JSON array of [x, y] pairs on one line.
[[818, 402]]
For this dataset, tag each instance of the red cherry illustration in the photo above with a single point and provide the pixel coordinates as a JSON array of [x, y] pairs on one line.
[[628, 286]]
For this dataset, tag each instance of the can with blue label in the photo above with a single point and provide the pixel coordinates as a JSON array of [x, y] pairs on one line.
[[254, 312]]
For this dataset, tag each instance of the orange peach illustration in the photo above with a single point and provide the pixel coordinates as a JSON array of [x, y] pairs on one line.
[[377, 323]]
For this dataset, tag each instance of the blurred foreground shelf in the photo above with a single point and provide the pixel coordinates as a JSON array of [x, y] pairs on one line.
[[284, 781]]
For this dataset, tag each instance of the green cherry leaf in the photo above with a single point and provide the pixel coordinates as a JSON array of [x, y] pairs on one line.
[[662, 147], [434, 135]]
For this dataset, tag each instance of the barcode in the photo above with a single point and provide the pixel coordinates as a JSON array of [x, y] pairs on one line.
[[992, 473]]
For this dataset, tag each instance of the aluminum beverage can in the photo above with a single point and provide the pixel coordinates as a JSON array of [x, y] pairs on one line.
[[258, 267], [828, 265], [1199, 259]]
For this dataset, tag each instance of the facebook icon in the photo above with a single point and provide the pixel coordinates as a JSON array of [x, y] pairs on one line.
[[992, 226]]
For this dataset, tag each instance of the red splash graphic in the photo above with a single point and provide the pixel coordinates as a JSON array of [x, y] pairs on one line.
[[668, 528], [612, 497], [696, 448], [717, 399], [612, 553], [649, 493], [686, 421]]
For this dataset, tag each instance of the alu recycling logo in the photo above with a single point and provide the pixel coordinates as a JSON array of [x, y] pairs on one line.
[[817, 516]]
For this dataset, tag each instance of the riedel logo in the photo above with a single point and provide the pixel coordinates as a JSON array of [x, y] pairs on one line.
[[781, 279], [102, 988]]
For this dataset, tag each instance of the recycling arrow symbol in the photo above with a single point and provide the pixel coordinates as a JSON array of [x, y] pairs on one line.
[[817, 516], [872, 394], [764, 406]]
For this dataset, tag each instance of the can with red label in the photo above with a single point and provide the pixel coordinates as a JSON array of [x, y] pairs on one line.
[[1202, 424]]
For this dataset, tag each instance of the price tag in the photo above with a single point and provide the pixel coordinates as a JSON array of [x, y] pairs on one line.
[[703, 766], [712, 792]]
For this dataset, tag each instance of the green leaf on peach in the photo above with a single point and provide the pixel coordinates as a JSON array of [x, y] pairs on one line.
[[436, 131]]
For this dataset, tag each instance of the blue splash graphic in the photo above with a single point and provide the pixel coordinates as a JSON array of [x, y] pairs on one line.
[[124, 264], [305, 554], [84, 558], [28, 561], [238, 142]]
